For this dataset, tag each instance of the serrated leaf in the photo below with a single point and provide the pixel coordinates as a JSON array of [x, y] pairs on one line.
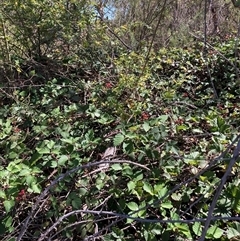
[[8, 204], [132, 206], [118, 139]]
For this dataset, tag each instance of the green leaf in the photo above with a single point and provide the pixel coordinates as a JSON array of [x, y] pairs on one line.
[[82, 191], [163, 118], [107, 237], [13, 145], [166, 205], [162, 192], [76, 203], [131, 185], [158, 187], [62, 160], [181, 127], [183, 228], [2, 194], [12, 155], [138, 177], [232, 232], [8, 204], [8, 222], [118, 139], [50, 144], [157, 229], [105, 119], [25, 172], [128, 147], [142, 212], [35, 188], [30, 179], [116, 167], [54, 164], [132, 206], [43, 150], [197, 228], [35, 157], [176, 196], [214, 232], [146, 127], [148, 188]]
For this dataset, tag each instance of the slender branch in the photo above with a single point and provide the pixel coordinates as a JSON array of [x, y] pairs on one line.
[[154, 36], [218, 191], [219, 53], [112, 31], [43, 195], [125, 216]]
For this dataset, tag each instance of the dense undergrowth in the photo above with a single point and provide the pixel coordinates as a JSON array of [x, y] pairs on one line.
[[170, 118]]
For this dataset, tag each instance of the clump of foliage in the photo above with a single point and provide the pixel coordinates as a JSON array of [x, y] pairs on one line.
[[159, 110]]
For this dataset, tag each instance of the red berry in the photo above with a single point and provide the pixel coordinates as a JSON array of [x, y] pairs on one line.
[[108, 85], [145, 116], [21, 193]]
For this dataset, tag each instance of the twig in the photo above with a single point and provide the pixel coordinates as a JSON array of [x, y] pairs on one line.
[[219, 53], [80, 222], [184, 103], [112, 161], [125, 216], [113, 33]]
